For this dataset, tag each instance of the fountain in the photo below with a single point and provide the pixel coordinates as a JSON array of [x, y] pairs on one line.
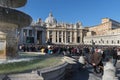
[[10, 20]]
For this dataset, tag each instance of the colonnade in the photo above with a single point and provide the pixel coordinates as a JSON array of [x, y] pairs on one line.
[[57, 36]]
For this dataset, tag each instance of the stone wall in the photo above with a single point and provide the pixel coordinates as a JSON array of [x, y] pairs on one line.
[[101, 29]]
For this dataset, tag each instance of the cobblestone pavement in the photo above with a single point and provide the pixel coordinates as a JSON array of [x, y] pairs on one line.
[[88, 74], [85, 74], [118, 70]]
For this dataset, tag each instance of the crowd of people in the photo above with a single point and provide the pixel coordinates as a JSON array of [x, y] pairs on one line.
[[86, 50], [94, 55]]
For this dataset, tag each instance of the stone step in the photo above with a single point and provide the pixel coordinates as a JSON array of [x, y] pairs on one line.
[[22, 76]]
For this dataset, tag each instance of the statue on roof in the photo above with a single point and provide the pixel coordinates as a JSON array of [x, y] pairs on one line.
[[79, 24]]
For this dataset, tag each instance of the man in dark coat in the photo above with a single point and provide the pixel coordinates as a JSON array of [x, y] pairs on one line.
[[96, 60]]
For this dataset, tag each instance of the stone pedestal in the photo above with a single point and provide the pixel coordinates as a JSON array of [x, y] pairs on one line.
[[2, 45], [8, 40]]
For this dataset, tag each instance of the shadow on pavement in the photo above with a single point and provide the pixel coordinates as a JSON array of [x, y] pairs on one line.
[[80, 73]]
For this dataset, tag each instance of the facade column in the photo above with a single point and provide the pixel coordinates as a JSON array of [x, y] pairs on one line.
[[54, 36], [75, 37], [65, 37], [70, 36]]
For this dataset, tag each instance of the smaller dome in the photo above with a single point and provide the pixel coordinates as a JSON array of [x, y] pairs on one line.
[[50, 19]]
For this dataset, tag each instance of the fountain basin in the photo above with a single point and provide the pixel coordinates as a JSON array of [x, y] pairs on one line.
[[13, 3]]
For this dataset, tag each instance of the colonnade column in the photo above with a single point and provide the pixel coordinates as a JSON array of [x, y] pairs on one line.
[[81, 36], [54, 36]]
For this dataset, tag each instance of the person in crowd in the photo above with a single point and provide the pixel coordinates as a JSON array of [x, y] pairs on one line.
[[42, 49], [96, 61], [46, 50], [86, 51], [106, 53], [27, 48], [50, 50], [68, 51], [114, 55], [24, 48], [20, 47], [118, 53]]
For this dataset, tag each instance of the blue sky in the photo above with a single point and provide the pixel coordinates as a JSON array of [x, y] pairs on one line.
[[89, 12]]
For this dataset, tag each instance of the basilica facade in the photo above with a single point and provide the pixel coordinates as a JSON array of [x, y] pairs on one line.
[[42, 32], [63, 33]]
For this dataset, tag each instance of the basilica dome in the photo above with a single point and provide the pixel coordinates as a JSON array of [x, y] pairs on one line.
[[50, 19]]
